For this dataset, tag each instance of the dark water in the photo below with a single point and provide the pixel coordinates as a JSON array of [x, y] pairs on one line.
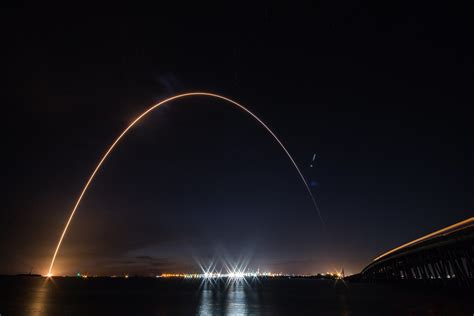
[[137, 296]]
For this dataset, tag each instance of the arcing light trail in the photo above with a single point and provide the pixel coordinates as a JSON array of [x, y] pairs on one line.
[[117, 140]]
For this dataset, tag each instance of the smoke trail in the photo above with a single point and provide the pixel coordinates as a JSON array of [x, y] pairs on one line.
[[117, 140]]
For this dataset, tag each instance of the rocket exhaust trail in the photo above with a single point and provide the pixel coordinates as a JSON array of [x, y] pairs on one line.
[[117, 140]]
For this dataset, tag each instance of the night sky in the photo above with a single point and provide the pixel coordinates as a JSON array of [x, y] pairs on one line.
[[382, 95]]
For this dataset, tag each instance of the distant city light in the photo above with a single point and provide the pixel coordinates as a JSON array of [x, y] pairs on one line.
[[233, 275]]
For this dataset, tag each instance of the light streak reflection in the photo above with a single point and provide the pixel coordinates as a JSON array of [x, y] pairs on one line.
[[222, 300], [38, 304]]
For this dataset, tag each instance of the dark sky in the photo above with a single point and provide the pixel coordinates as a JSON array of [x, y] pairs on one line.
[[382, 95]]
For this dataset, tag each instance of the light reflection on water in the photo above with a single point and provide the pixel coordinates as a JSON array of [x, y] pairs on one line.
[[72, 296], [232, 299], [37, 305]]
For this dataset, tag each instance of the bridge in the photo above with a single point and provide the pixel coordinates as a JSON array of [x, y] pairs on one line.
[[445, 256]]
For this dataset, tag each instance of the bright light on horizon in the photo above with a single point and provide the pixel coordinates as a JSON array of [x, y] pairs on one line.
[[232, 275]]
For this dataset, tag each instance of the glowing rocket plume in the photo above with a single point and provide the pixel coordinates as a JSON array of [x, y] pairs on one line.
[[179, 96]]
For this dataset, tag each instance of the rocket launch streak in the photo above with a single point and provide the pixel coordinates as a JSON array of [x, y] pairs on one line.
[[117, 140]]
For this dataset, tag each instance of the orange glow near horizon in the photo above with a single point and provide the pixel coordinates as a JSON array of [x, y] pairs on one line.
[[117, 140]]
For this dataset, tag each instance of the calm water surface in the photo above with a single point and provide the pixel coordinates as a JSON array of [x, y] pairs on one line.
[[141, 296]]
